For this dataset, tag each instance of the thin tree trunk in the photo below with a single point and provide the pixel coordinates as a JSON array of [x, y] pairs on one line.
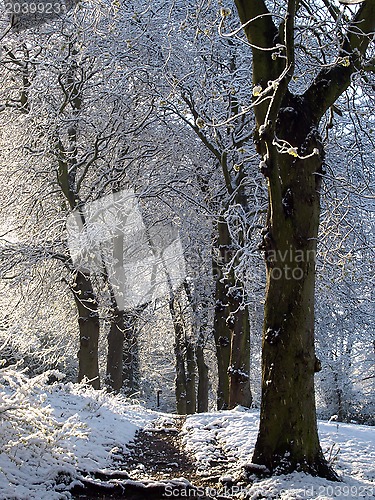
[[115, 352], [191, 397], [130, 369], [180, 381], [201, 401], [222, 342], [88, 321], [239, 368], [180, 352], [203, 380]]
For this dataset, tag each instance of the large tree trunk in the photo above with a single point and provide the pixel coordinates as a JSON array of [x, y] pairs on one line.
[[231, 331], [292, 157], [288, 437], [88, 320]]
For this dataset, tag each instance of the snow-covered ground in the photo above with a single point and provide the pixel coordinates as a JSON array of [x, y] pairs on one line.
[[49, 432], [351, 449]]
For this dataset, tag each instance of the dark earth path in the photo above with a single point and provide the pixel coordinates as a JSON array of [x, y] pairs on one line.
[[157, 468]]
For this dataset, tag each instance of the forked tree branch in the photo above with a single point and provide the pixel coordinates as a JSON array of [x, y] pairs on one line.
[[332, 82]]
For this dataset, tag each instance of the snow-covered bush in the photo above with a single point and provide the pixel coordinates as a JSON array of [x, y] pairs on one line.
[[40, 351], [32, 438], [52, 433]]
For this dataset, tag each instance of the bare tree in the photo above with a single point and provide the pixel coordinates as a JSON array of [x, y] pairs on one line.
[[74, 140], [206, 88]]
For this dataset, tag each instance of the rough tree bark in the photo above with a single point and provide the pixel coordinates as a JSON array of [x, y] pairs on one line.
[[114, 375], [288, 421], [130, 354], [231, 331], [288, 438], [185, 382], [196, 359], [180, 380], [88, 320]]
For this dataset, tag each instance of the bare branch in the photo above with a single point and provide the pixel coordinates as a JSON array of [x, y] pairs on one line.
[[332, 82]]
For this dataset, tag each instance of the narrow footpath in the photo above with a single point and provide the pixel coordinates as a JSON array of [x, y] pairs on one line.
[[156, 468]]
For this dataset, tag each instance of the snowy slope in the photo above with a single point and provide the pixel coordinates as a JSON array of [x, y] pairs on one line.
[[50, 431]]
